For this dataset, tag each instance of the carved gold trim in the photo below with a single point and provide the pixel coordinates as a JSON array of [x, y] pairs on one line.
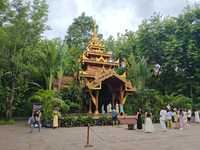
[[93, 98], [82, 72], [99, 51], [124, 75], [117, 61], [84, 57], [98, 59], [124, 99], [109, 52]]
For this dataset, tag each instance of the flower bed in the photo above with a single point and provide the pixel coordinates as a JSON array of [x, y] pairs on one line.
[[71, 121]]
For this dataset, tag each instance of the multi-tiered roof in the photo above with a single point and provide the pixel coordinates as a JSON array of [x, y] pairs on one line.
[[97, 67]]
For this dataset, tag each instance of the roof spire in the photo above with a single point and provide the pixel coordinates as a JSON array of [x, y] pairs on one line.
[[95, 36]]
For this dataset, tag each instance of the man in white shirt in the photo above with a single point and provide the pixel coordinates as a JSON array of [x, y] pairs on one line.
[[162, 119], [189, 114]]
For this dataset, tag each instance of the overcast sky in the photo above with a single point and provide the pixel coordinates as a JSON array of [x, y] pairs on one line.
[[112, 16]]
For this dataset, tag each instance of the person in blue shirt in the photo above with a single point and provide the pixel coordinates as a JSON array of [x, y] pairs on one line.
[[114, 116]]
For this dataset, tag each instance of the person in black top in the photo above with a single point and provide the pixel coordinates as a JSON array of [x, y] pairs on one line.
[[139, 120]]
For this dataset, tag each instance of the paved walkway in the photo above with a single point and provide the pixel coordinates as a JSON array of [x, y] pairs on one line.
[[17, 137]]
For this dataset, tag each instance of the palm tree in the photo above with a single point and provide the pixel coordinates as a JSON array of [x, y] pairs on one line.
[[63, 60], [138, 73]]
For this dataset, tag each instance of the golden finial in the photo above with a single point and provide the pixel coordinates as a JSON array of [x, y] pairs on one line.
[[95, 36]]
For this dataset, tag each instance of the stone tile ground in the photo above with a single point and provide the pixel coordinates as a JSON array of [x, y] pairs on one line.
[[17, 137]]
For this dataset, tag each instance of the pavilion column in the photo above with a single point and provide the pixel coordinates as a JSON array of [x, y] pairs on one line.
[[113, 99], [121, 96], [90, 106], [97, 102]]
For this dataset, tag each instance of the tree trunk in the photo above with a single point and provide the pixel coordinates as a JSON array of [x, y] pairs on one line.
[[10, 98]]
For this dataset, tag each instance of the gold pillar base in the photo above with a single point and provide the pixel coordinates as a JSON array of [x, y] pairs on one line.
[[90, 112], [96, 112]]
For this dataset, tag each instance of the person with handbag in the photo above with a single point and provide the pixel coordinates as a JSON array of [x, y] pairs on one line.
[[37, 116]]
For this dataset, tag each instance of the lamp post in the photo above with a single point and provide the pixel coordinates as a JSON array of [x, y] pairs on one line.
[[191, 77]]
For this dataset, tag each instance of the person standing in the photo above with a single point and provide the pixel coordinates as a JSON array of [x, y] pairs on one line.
[[180, 119], [176, 116], [169, 119], [117, 107], [102, 110], [121, 111], [169, 107], [196, 114], [55, 117], [162, 119], [114, 116], [139, 120], [110, 107], [184, 116], [189, 114], [148, 122], [37, 116]]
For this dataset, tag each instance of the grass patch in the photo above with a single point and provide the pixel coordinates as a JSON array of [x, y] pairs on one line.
[[11, 121]]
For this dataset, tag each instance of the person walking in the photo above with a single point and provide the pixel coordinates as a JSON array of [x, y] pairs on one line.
[[55, 117], [114, 116], [196, 114], [162, 119], [139, 120], [148, 122], [37, 116]]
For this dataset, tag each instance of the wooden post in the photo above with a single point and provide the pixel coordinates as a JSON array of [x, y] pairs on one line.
[[113, 98], [97, 102], [121, 95], [90, 106], [88, 136]]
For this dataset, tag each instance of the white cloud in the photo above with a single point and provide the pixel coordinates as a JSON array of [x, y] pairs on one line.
[[112, 16]]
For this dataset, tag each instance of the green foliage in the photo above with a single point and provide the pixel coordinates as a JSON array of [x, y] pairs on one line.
[[3, 122], [50, 100], [81, 31]]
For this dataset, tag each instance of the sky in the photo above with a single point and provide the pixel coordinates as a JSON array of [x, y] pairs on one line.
[[112, 16]]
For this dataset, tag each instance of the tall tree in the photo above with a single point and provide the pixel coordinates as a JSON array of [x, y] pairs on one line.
[[18, 20], [81, 31]]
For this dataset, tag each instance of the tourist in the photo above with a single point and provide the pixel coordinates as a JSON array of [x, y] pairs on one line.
[[196, 114], [110, 107], [148, 122], [102, 110], [169, 107], [114, 116], [180, 119], [189, 114], [139, 120], [184, 116], [162, 119], [117, 107], [169, 119], [121, 111], [55, 117], [37, 116], [176, 116]]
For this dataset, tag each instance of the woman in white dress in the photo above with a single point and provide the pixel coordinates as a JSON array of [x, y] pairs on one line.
[[148, 122], [196, 113]]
